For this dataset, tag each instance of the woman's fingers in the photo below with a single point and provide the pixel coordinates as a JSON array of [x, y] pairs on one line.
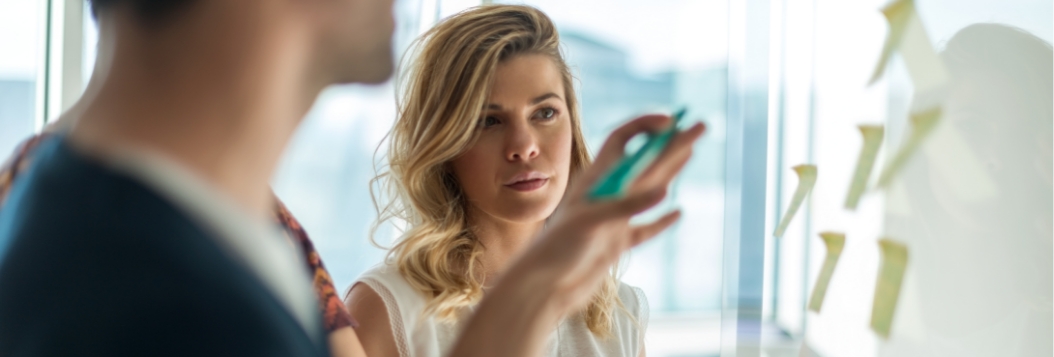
[[641, 234], [626, 207], [615, 148], [672, 160]]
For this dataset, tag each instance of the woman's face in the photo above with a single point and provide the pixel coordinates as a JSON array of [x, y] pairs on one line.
[[518, 169]]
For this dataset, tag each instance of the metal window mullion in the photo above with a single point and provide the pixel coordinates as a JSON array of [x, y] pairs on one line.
[[746, 165], [40, 111], [63, 59]]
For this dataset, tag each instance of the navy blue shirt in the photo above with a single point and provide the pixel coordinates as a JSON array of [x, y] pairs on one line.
[[94, 263]]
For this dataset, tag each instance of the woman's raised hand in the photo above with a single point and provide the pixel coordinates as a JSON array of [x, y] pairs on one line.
[[565, 266], [585, 238]]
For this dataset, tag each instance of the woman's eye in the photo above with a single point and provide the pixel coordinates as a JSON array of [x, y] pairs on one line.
[[489, 121], [547, 113]]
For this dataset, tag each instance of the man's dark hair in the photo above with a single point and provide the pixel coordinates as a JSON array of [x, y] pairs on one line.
[[149, 11]]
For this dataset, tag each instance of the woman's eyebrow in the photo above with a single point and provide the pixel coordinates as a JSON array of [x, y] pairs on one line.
[[545, 96], [536, 100]]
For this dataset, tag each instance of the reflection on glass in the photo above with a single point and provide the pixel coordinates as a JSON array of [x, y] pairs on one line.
[[980, 246], [980, 196]]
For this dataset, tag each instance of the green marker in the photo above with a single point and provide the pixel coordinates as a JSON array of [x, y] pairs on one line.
[[617, 181]]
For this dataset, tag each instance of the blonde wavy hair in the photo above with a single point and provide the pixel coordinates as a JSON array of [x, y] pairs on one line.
[[442, 95]]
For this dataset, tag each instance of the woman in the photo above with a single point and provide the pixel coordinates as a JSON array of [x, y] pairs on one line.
[[487, 141]]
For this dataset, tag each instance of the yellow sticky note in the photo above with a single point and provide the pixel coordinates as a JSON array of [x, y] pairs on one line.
[[806, 180], [922, 125], [907, 36], [887, 290], [898, 14], [835, 242], [873, 135]]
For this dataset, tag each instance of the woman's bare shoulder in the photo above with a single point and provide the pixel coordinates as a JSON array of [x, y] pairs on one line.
[[375, 328]]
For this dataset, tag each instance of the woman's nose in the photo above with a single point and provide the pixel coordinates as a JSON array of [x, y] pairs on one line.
[[521, 143]]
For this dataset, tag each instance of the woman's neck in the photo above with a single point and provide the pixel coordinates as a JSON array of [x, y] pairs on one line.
[[504, 242]]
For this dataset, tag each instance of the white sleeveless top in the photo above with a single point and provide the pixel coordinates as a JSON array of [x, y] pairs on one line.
[[417, 335]]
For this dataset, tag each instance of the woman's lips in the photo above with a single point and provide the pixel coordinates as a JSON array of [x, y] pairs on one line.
[[528, 185]]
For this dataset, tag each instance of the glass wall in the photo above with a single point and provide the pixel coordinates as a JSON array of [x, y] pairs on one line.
[[630, 58], [672, 56], [798, 70], [22, 25], [324, 176], [978, 276]]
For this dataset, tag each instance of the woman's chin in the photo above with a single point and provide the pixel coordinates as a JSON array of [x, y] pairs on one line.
[[526, 212]]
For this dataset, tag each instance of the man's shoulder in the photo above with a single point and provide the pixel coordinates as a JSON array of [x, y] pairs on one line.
[[92, 262], [67, 200]]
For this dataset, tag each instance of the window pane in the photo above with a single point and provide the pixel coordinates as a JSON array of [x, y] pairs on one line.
[[21, 42], [325, 174], [977, 261], [634, 57]]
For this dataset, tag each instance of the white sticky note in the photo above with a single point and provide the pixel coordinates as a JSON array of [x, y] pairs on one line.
[[907, 36], [806, 180], [898, 15], [834, 242], [887, 288], [872, 135], [928, 74], [922, 125]]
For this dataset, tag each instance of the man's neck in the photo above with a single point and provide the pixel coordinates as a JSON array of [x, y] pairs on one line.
[[221, 98]]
